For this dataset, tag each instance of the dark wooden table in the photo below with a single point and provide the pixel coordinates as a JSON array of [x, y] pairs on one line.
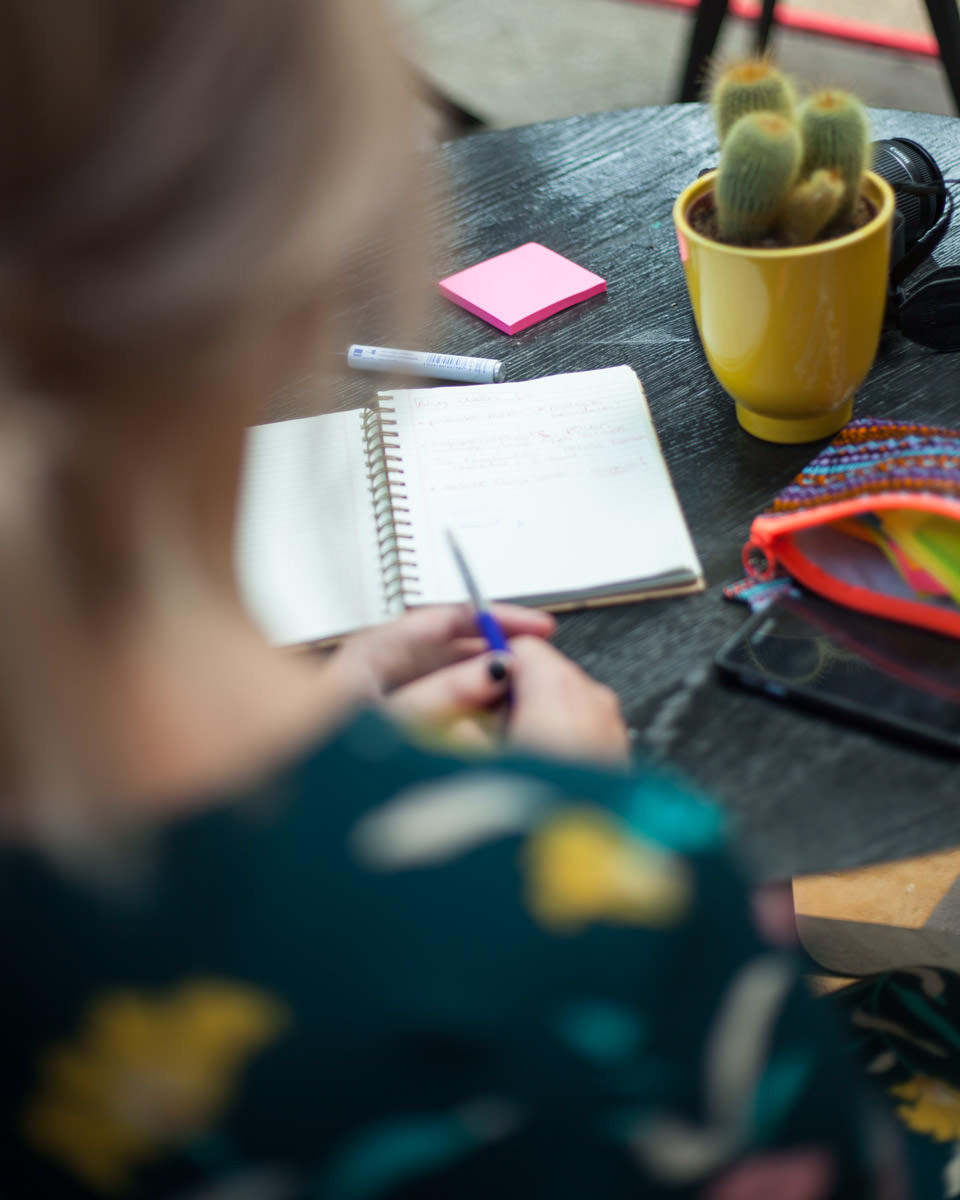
[[805, 794]]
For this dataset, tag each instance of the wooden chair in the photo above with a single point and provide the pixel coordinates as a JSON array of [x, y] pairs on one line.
[[897, 914]]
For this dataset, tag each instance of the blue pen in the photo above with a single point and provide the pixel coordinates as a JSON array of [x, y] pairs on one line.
[[487, 624]]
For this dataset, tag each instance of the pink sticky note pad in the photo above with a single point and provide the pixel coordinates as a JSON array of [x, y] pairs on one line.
[[515, 290]]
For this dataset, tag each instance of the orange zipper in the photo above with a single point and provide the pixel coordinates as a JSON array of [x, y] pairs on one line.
[[770, 546]]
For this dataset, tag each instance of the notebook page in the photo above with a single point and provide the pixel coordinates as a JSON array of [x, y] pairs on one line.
[[556, 488], [306, 543]]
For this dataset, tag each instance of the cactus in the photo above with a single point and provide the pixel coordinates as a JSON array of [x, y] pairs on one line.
[[753, 85], [811, 206], [758, 165], [788, 171], [836, 135]]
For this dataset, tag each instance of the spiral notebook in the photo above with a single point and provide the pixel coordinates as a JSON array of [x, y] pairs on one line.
[[555, 487]]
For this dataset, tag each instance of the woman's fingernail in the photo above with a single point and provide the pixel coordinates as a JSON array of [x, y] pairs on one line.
[[497, 670]]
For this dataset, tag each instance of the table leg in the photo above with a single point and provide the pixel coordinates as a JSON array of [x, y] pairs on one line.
[[703, 40], [765, 25], [945, 20]]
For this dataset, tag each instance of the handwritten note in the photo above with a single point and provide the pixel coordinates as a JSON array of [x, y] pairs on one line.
[[555, 486]]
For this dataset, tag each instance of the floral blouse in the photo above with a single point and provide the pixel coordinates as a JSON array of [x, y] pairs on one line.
[[391, 973]]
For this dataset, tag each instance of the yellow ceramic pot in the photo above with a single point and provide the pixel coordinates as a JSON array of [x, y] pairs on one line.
[[790, 333]]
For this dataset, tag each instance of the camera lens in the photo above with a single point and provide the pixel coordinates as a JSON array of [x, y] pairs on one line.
[[900, 160]]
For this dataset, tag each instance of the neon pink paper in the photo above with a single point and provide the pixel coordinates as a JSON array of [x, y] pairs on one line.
[[516, 289]]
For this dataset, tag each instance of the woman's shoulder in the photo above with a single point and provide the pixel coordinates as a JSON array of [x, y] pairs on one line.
[[403, 819], [373, 836], [374, 791]]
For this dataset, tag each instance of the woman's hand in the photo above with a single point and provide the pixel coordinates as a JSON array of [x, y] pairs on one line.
[[555, 707], [559, 709], [462, 703], [378, 662], [429, 668]]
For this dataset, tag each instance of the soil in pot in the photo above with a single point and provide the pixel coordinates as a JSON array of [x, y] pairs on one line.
[[702, 216]]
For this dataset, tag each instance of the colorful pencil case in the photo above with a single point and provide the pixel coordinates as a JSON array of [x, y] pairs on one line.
[[873, 523]]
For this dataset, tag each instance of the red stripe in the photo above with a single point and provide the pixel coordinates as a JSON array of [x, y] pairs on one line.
[[823, 24]]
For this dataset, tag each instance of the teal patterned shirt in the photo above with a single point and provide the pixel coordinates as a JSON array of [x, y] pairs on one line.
[[395, 973]]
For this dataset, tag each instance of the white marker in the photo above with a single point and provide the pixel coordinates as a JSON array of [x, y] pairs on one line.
[[418, 362]]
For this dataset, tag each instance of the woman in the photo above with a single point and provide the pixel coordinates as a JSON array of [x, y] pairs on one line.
[[258, 942]]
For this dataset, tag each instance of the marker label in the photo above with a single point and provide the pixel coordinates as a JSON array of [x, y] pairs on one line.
[[435, 366]]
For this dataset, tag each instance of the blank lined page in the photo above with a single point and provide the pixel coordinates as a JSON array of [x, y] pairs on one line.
[[556, 488], [306, 545]]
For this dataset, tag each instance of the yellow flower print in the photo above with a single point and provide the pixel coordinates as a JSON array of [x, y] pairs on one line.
[[583, 865], [935, 1107], [147, 1071]]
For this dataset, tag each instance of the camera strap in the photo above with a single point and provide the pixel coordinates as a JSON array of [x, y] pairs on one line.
[[931, 239]]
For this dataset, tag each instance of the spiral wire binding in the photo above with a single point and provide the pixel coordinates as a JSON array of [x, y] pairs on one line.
[[385, 477]]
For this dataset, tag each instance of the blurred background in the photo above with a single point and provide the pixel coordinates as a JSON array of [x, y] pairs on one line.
[[510, 62]]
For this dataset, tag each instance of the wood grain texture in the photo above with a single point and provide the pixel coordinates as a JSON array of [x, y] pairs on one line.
[[805, 795], [903, 893]]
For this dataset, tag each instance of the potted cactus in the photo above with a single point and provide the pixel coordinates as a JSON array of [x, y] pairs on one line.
[[786, 253]]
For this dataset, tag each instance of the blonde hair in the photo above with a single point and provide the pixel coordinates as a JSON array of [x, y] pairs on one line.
[[186, 184], [178, 169]]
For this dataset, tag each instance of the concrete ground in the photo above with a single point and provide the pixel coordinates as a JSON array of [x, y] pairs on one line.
[[516, 61]]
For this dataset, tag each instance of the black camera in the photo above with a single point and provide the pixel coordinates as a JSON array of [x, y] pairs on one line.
[[927, 309], [906, 166]]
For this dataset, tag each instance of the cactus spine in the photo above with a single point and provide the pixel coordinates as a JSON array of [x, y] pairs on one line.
[[836, 135], [754, 85], [759, 162], [811, 206]]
